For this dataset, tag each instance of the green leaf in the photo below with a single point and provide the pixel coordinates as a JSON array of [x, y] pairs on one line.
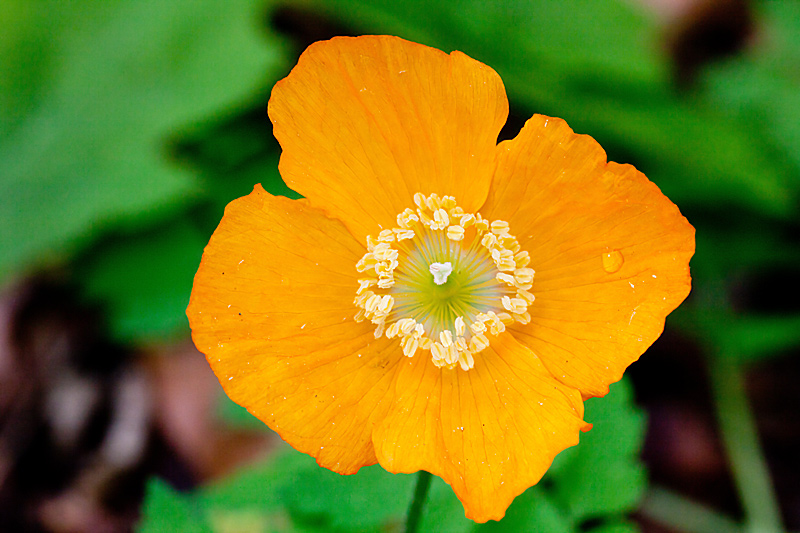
[[144, 280], [233, 155], [443, 512], [89, 94], [366, 501], [292, 490], [145, 277], [258, 486], [603, 475], [166, 511], [532, 511]]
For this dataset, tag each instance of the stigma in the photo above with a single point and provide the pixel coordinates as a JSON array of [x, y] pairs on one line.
[[444, 281], [440, 272]]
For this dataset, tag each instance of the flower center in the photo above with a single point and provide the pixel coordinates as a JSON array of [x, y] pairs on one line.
[[444, 279]]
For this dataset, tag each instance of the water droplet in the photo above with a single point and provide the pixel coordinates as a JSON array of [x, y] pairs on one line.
[[612, 261]]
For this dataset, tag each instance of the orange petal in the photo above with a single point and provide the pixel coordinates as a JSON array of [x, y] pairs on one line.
[[610, 251], [272, 310], [490, 433], [366, 122]]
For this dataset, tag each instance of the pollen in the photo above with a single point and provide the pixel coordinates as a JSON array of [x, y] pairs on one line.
[[444, 282]]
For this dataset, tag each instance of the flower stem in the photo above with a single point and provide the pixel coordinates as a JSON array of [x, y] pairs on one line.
[[418, 503], [740, 438], [682, 514]]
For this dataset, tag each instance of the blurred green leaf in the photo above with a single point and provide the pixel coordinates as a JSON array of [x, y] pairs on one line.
[[743, 338], [294, 492], [257, 487], [233, 155], [725, 256], [144, 280], [614, 527], [90, 92], [145, 277], [166, 511], [762, 86], [237, 416], [752, 338], [249, 501]]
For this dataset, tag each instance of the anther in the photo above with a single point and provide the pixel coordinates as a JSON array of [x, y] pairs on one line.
[[522, 259], [499, 227], [455, 233], [524, 276]]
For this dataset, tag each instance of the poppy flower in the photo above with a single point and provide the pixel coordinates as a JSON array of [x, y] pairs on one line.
[[437, 301]]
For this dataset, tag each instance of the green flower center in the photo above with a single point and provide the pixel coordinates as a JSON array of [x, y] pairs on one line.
[[469, 289]]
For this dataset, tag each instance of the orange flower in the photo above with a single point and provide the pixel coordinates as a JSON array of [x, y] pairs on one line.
[[437, 301]]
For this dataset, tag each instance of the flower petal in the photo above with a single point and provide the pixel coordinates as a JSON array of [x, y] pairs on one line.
[[610, 251], [366, 122], [272, 310], [490, 433]]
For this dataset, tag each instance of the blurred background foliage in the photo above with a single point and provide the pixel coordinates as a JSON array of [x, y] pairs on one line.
[[126, 127]]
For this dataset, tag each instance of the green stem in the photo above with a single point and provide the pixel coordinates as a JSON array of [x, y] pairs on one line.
[[682, 514], [740, 438], [418, 503]]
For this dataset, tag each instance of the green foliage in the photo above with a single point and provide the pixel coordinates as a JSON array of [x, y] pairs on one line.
[[760, 87], [364, 502], [607, 457], [166, 510], [83, 127], [292, 493], [144, 279], [533, 511], [289, 493]]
